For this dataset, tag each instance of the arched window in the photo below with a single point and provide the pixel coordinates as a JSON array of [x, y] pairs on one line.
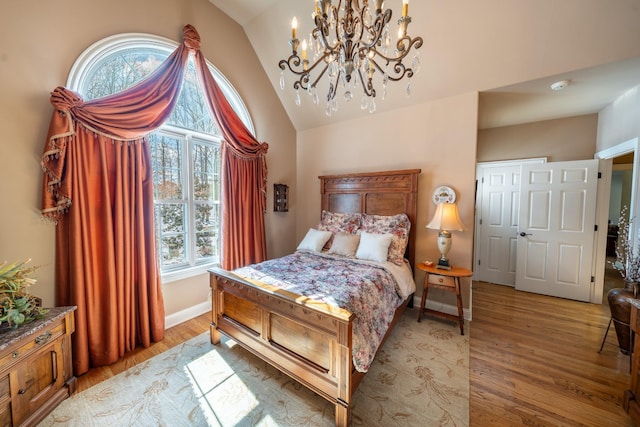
[[185, 151]]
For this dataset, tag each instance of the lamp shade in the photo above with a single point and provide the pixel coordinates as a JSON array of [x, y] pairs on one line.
[[446, 218]]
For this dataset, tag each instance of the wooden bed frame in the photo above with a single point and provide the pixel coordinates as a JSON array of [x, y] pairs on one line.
[[308, 340]]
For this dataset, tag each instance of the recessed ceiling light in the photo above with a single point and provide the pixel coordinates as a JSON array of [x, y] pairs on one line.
[[560, 85]]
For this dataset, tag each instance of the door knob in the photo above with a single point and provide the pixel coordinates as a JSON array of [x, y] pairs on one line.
[[523, 234]]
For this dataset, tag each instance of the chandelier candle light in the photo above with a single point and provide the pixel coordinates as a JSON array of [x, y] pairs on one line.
[[350, 44]]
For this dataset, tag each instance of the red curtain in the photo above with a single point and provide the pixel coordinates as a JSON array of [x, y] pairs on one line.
[[98, 189], [243, 165]]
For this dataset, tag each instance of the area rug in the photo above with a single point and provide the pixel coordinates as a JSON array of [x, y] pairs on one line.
[[419, 378]]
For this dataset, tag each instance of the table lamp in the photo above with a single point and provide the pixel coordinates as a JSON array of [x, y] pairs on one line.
[[446, 219]]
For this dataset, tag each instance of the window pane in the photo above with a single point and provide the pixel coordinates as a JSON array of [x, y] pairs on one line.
[[121, 71], [172, 218], [206, 246], [172, 250], [206, 176], [191, 110], [166, 158], [207, 230], [170, 223]]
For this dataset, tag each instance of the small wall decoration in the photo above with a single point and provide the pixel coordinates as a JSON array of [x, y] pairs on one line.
[[443, 194], [280, 198]]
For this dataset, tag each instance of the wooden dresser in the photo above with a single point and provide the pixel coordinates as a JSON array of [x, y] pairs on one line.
[[35, 368]]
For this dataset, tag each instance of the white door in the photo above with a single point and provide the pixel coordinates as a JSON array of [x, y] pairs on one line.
[[498, 224], [557, 228]]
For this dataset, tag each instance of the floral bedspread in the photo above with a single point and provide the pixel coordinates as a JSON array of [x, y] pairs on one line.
[[369, 291]]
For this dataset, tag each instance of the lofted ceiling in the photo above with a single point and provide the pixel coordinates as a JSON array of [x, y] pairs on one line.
[[266, 23]]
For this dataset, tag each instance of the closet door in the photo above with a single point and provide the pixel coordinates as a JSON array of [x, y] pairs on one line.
[[557, 229]]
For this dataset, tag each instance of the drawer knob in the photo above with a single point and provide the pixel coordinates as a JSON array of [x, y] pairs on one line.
[[43, 338], [22, 391], [441, 280], [15, 354]]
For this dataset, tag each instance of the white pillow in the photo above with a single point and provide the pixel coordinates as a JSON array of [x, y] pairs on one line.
[[374, 247], [314, 240], [345, 244]]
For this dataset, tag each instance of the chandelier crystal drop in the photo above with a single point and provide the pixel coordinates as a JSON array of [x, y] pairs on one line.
[[351, 47]]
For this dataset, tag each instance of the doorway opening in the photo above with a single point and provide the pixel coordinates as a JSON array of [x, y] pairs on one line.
[[619, 188], [619, 199]]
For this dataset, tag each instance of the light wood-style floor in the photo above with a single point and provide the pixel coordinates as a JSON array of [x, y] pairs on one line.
[[534, 361]]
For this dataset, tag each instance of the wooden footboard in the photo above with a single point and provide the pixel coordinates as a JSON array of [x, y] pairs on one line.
[[308, 340]]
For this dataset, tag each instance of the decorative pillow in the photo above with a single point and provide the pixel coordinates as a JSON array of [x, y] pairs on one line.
[[397, 225], [345, 244], [314, 240], [374, 247], [339, 222]]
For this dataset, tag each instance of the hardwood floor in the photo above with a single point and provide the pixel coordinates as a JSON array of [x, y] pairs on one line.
[[172, 337], [534, 361]]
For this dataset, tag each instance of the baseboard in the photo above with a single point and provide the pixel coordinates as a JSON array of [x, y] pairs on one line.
[[186, 314], [445, 308]]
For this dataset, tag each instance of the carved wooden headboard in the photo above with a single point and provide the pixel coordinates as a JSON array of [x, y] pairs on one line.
[[376, 193]]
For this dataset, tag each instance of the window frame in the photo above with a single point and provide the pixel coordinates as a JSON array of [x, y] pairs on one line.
[[77, 79]]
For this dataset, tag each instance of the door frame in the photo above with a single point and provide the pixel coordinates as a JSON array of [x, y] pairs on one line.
[[602, 207]]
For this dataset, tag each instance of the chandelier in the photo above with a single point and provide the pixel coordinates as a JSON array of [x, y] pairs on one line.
[[350, 44]]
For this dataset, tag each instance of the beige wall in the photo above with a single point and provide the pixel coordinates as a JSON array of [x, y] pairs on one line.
[[620, 120], [40, 42], [572, 138], [438, 137]]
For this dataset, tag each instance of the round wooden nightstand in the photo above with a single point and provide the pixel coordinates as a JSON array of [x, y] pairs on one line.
[[448, 280]]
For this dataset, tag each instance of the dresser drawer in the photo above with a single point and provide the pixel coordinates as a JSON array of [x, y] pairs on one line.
[[445, 281], [31, 344]]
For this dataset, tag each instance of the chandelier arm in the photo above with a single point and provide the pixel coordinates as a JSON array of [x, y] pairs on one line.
[[324, 70], [294, 62], [293, 59], [304, 75], [370, 89], [399, 69], [335, 13], [367, 86], [377, 66], [333, 87], [302, 82], [414, 43], [322, 30], [378, 25]]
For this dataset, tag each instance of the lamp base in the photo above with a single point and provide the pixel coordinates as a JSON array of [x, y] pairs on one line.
[[443, 264]]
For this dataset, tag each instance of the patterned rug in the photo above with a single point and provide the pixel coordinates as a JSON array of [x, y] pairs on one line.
[[419, 378]]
